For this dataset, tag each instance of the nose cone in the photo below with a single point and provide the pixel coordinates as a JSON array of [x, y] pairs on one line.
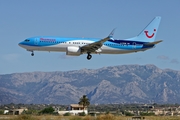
[[20, 44]]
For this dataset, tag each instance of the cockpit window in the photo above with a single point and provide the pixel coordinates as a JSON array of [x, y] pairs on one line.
[[27, 40]]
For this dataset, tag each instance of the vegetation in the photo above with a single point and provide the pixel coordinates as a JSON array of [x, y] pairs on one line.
[[147, 114], [35, 108], [67, 114], [106, 117], [128, 113], [100, 117], [82, 114], [84, 101], [31, 112], [48, 110], [105, 112], [1, 112]]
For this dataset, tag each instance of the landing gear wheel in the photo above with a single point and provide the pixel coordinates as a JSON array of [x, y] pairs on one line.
[[89, 57], [32, 54]]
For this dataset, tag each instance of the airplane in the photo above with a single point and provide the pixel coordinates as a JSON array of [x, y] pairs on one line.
[[108, 45]]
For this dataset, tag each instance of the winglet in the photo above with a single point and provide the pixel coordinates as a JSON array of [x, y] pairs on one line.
[[111, 34]]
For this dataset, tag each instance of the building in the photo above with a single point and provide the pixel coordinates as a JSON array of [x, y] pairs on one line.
[[17, 111], [74, 109], [6, 111]]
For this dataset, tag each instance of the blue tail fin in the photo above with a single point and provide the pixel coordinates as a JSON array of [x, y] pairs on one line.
[[148, 34]]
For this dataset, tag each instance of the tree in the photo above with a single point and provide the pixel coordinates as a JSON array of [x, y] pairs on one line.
[[84, 101], [48, 110], [1, 112]]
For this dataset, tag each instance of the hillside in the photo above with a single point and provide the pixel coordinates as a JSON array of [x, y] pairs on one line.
[[114, 84]]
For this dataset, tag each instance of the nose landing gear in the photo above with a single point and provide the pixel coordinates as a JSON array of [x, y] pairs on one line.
[[32, 54]]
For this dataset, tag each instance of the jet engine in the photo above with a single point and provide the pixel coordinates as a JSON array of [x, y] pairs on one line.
[[73, 51]]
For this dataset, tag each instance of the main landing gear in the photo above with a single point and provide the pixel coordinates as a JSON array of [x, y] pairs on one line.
[[89, 56], [32, 54]]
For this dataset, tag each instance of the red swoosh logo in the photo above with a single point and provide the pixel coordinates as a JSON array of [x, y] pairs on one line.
[[149, 36]]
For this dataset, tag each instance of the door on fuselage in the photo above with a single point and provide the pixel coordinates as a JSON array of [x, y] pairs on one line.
[[36, 41], [134, 45]]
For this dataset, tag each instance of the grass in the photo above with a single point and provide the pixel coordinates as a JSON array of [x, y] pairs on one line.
[[100, 117]]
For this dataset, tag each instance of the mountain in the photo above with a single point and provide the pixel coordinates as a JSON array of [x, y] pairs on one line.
[[114, 84]]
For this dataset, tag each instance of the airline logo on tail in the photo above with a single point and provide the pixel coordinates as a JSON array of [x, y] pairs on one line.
[[149, 36]]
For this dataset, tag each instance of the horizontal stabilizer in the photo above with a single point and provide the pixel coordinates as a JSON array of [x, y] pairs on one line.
[[153, 43]]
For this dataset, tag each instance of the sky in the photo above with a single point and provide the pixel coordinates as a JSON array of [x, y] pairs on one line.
[[81, 18]]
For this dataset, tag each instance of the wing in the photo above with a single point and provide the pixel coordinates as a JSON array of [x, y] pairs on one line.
[[92, 47]]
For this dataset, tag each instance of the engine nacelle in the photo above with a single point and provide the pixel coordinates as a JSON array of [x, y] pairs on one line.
[[73, 51]]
